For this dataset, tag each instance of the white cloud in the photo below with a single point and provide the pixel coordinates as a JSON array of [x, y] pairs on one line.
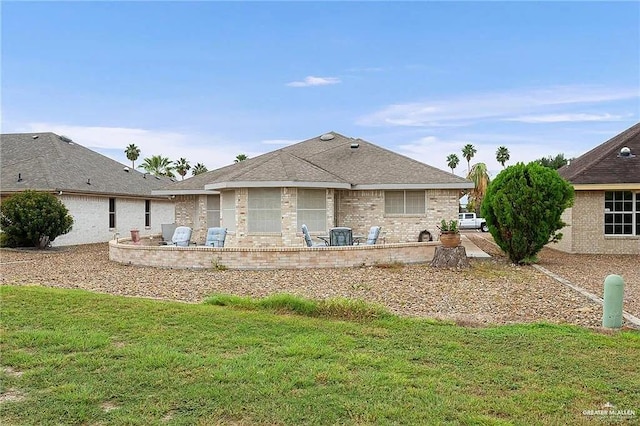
[[314, 81], [566, 118], [497, 105], [213, 152]]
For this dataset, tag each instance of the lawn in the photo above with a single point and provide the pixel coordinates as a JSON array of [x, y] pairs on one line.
[[75, 357]]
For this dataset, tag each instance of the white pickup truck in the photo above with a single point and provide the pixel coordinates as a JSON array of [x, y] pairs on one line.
[[470, 221]]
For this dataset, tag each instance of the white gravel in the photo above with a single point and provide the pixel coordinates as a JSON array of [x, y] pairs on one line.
[[490, 292]]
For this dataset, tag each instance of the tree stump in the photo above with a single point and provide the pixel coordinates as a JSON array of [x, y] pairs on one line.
[[454, 257]]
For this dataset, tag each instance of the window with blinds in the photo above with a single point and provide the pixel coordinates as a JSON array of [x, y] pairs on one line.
[[264, 210]]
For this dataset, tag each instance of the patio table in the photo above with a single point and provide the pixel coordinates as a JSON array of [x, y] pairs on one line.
[[356, 238]]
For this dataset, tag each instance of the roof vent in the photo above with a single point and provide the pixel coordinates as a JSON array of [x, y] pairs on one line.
[[125, 168], [65, 139], [35, 136], [355, 145], [625, 152], [327, 137], [19, 177], [88, 181]]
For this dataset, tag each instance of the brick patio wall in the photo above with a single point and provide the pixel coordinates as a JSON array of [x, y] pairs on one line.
[[270, 258]]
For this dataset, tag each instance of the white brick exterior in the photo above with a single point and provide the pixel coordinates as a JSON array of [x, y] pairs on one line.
[[91, 218]]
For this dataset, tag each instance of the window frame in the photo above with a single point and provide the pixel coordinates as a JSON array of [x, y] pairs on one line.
[[387, 198], [621, 213], [147, 213], [315, 224], [256, 209], [112, 213]]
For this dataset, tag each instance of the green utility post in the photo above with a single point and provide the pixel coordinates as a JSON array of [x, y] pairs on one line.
[[613, 293]]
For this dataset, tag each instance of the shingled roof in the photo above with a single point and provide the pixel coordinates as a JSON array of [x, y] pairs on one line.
[[328, 161], [605, 164], [48, 162]]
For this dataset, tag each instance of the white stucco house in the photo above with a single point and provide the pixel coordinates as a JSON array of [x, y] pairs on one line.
[[326, 181], [103, 196]]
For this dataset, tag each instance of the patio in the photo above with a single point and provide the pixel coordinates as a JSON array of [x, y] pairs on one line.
[[149, 253]]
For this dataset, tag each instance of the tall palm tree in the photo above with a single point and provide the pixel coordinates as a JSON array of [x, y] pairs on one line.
[[452, 161], [468, 152], [240, 157], [479, 175], [182, 166], [132, 152], [198, 169], [158, 165], [502, 155]]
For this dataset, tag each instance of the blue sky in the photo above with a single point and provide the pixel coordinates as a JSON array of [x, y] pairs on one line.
[[210, 80]]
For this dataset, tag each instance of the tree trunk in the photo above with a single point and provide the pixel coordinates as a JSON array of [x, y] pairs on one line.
[[454, 257]]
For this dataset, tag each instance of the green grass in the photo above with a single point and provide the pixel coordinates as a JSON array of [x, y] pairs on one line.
[[75, 357]]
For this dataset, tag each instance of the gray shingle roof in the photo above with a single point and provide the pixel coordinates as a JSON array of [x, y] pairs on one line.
[[604, 165], [330, 163], [46, 162]]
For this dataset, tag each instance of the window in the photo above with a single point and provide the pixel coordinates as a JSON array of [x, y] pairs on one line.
[[312, 209], [404, 202], [112, 213], [213, 210], [620, 213], [147, 213], [264, 213], [228, 210]]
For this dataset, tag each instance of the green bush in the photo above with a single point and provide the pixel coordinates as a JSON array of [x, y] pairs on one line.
[[33, 219], [523, 206]]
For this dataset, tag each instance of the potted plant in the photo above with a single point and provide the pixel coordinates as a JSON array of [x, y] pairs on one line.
[[135, 236], [449, 233]]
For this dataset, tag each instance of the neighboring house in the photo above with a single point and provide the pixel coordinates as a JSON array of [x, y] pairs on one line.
[[326, 181], [605, 217], [103, 196]]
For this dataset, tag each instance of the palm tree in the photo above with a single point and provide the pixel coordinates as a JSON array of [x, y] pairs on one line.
[[468, 152], [158, 165], [198, 169], [240, 157], [480, 178], [452, 161], [182, 166], [502, 155], [132, 152]]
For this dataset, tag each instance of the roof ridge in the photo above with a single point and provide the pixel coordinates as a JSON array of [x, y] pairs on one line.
[[318, 167]]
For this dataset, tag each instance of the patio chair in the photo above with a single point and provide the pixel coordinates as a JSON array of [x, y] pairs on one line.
[[307, 238], [181, 236], [340, 236], [215, 237], [167, 231], [372, 236]]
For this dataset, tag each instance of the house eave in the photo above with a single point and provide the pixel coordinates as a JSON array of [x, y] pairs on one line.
[[400, 186], [276, 184], [184, 192], [606, 186]]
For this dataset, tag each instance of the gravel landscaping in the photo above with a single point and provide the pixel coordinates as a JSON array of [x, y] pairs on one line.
[[490, 292]]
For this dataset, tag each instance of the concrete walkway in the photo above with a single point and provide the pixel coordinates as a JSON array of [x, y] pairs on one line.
[[472, 249]]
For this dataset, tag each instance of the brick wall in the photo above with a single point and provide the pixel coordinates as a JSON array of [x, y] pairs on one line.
[[91, 218], [587, 228], [270, 258], [358, 210]]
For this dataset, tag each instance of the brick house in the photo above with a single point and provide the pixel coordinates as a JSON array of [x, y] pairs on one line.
[[103, 196], [605, 217], [330, 180]]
